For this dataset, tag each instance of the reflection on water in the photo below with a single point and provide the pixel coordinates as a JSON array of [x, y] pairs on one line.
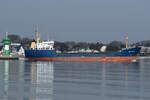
[[105, 81], [29, 80], [42, 80], [6, 78], [24, 80]]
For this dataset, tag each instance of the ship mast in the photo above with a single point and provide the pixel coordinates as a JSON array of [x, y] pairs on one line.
[[37, 36], [126, 38]]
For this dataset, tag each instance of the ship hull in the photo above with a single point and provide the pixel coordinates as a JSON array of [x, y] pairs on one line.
[[87, 59], [124, 55]]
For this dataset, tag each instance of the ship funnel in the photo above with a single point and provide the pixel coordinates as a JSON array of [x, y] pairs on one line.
[[103, 48]]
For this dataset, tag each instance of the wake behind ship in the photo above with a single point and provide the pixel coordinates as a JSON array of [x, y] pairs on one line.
[[45, 51]]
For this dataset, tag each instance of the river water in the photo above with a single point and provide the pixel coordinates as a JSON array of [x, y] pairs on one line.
[[43, 80]]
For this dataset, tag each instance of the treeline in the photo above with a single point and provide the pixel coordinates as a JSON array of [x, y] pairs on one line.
[[71, 45], [145, 43], [25, 41]]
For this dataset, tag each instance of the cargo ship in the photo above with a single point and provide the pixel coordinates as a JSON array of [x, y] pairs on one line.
[[44, 51]]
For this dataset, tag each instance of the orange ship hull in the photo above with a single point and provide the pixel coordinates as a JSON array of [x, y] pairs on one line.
[[87, 59]]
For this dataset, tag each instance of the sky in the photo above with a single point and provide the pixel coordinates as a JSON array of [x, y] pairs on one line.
[[77, 20]]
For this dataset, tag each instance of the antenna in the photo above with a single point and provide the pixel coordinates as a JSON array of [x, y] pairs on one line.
[[37, 32], [37, 36], [53, 36], [6, 34]]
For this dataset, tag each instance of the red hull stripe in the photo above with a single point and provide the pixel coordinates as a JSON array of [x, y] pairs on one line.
[[87, 59]]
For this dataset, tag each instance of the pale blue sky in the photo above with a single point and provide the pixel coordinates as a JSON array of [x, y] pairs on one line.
[[77, 20]]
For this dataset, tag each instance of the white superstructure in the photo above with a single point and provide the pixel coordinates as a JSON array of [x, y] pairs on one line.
[[45, 45]]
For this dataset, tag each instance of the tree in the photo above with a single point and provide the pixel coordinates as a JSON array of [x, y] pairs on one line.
[[115, 46], [96, 46], [14, 38], [61, 46], [26, 42], [76, 47]]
